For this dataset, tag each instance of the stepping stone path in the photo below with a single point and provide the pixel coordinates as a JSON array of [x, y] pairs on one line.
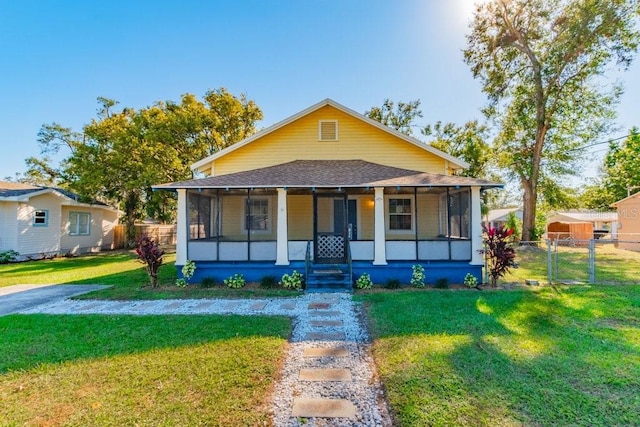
[[328, 377]]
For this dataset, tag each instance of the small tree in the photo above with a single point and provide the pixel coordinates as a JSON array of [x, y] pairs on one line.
[[499, 252], [150, 254]]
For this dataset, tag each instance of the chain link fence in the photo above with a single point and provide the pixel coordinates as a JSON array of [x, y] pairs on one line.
[[570, 261]]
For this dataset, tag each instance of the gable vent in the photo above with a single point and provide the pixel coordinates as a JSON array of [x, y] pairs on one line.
[[328, 130]]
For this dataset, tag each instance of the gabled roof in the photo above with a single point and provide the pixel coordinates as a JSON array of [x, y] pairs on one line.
[[328, 174], [18, 192], [500, 214], [584, 216], [329, 102], [613, 205]]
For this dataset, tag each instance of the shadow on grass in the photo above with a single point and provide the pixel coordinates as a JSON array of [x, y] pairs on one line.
[[28, 341], [568, 358]]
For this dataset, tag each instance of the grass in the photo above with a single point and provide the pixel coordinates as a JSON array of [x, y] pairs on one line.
[[550, 356], [126, 275], [148, 370]]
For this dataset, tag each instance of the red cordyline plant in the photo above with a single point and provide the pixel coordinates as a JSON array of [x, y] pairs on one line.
[[499, 253], [150, 254]]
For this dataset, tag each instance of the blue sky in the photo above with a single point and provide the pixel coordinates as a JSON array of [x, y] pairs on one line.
[[57, 57]]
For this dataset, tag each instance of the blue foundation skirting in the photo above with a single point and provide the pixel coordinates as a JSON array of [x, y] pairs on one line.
[[454, 271]]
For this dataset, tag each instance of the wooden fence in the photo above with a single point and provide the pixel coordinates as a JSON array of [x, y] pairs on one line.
[[163, 234]]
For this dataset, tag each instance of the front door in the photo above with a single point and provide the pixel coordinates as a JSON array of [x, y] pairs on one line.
[[330, 228]]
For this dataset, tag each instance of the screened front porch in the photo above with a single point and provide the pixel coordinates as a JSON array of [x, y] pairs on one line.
[[283, 225]]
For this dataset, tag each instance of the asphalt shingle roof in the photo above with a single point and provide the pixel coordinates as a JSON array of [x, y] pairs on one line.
[[328, 173]]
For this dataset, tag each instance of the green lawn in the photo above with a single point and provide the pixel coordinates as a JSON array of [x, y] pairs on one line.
[[147, 370], [125, 273], [550, 356]]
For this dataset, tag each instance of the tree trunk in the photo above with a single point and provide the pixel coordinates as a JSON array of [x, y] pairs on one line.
[[529, 209]]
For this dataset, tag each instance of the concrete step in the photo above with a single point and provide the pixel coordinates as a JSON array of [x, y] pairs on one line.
[[326, 352], [325, 374], [323, 408]]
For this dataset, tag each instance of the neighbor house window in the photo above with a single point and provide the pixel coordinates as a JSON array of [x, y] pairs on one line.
[[257, 215], [400, 214], [41, 218], [79, 223]]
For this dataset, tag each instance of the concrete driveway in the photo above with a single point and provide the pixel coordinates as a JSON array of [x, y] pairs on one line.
[[14, 299]]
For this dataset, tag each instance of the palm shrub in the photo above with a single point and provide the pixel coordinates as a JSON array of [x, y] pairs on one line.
[[499, 252], [150, 254]]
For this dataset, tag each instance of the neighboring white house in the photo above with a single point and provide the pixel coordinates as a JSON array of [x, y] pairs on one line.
[[44, 221], [498, 217], [582, 225]]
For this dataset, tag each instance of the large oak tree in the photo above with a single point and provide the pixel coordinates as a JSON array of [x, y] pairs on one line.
[[542, 64], [120, 154]]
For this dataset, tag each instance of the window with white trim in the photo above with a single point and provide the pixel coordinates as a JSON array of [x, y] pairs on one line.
[[400, 214], [41, 218], [328, 130], [79, 224], [257, 215]]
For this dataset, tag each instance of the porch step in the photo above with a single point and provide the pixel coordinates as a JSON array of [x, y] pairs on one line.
[[329, 278]]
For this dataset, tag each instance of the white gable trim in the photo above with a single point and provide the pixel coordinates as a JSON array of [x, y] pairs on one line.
[[453, 161]]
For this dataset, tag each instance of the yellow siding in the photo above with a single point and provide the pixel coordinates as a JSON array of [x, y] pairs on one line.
[[300, 214], [366, 213], [357, 140]]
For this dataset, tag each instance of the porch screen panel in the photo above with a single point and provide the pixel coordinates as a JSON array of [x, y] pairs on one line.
[[200, 216], [459, 214]]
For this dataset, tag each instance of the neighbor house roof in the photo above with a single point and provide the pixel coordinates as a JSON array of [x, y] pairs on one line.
[[454, 161], [633, 196], [329, 173], [590, 216], [18, 192], [502, 214]]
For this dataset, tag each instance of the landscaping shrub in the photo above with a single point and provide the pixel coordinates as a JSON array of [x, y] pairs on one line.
[[470, 281], [441, 283], [392, 284], [236, 281], [150, 254], [268, 282], [8, 256], [293, 281], [417, 276], [208, 282], [364, 281], [187, 273], [499, 252]]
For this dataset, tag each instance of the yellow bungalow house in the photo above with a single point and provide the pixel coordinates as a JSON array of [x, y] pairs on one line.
[[332, 194]]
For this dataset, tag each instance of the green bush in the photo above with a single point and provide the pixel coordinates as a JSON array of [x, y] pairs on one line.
[[236, 281], [470, 281], [293, 281], [441, 283], [8, 256], [417, 276], [392, 284], [364, 281], [268, 282], [187, 273], [208, 282]]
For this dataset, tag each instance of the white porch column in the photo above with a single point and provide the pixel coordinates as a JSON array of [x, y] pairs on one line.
[[282, 237], [476, 228], [181, 228], [380, 252]]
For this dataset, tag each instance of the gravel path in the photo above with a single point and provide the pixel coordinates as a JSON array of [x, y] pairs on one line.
[[328, 377]]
